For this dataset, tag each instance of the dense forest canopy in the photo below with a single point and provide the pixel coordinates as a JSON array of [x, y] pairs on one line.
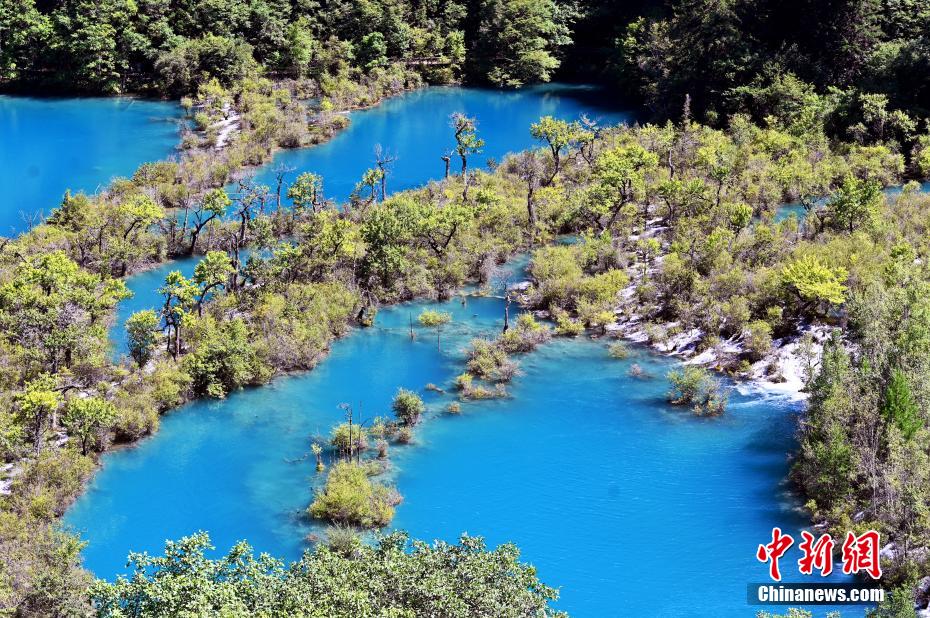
[[167, 46], [722, 53], [726, 55]]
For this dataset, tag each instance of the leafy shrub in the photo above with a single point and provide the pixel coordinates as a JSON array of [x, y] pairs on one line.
[[463, 381], [135, 417], [524, 336], [601, 290], [342, 438], [489, 361], [294, 329], [405, 435], [351, 497], [618, 350], [758, 339], [565, 326], [695, 386], [432, 318], [224, 359], [735, 315], [408, 406], [343, 540], [168, 384], [557, 273], [142, 335]]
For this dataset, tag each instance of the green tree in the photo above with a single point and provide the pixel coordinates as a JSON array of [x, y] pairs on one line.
[[431, 318], [213, 205], [190, 62], [85, 417], [825, 467], [467, 580], [386, 231], [813, 282], [559, 136], [24, 31], [211, 272], [371, 51], [366, 190], [854, 205], [440, 226], [619, 179], [517, 41], [95, 47], [142, 331], [180, 294], [899, 603], [224, 360], [349, 440], [306, 194], [899, 406], [467, 142], [132, 218], [300, 48], [138, 212], [36, 406]]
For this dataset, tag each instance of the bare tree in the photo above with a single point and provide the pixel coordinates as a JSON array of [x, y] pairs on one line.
[[529, 168], [280, 172], [383, 161]]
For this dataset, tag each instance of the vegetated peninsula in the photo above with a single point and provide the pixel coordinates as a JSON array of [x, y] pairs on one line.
[[681, 244]]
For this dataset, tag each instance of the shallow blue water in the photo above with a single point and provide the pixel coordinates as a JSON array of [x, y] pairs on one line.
[[50, 145], [239, 467], [633, 507], [415, 129], [619, 499]]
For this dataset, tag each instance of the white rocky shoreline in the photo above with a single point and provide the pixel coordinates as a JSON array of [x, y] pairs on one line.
[[780, 373]]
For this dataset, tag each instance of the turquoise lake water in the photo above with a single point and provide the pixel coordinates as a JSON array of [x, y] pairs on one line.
[[630, 506], [48, 145], [616, 497]]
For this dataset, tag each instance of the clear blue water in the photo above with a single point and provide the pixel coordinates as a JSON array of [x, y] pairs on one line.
[[629, 506], [617, 498], [48, 145], [415, 129]]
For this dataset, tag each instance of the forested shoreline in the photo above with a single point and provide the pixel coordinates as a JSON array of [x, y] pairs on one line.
[[677, 227], [864, 55]]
